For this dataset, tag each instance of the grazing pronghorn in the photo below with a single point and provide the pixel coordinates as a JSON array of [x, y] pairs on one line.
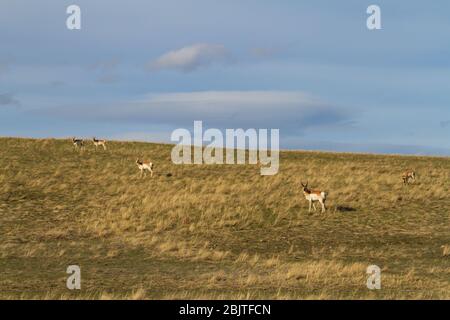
[[314, 196], [78, 143], [408, 176], [145, 166], [98, 143]]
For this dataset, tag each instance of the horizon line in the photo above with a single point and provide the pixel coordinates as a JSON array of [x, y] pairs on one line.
[[280, 150]]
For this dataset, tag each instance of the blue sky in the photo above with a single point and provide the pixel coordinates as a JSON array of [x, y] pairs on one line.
[[139, 69]]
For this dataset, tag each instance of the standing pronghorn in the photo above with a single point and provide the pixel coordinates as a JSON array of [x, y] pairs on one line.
[[98, 143], [145, 166], [409, 175], [314, 196], [78, 143]]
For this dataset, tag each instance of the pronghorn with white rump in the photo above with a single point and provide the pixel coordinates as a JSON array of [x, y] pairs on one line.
[[314, 196], [408, 176], [98, 143], [78, 143], [145, 166]]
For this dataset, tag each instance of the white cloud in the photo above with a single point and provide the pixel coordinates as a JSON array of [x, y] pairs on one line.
[[288, 110], [192, 57]]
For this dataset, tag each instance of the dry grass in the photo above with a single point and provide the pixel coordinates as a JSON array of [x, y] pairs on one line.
[[218, 232]]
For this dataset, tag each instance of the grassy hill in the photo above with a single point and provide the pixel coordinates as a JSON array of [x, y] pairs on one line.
[[218, 231]]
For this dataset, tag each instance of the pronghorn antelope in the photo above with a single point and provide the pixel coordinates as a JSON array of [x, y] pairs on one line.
[[78, 143], [98, 143], [409, 176], [145, 166], [314, 196]]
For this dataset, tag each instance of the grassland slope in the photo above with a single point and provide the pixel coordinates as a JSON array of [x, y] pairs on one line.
[[218, 231]]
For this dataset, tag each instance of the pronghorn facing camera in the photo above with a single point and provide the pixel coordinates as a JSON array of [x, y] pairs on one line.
[[78, 143], [145, 166], [98, 143], [314, 196], [409, 176]]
